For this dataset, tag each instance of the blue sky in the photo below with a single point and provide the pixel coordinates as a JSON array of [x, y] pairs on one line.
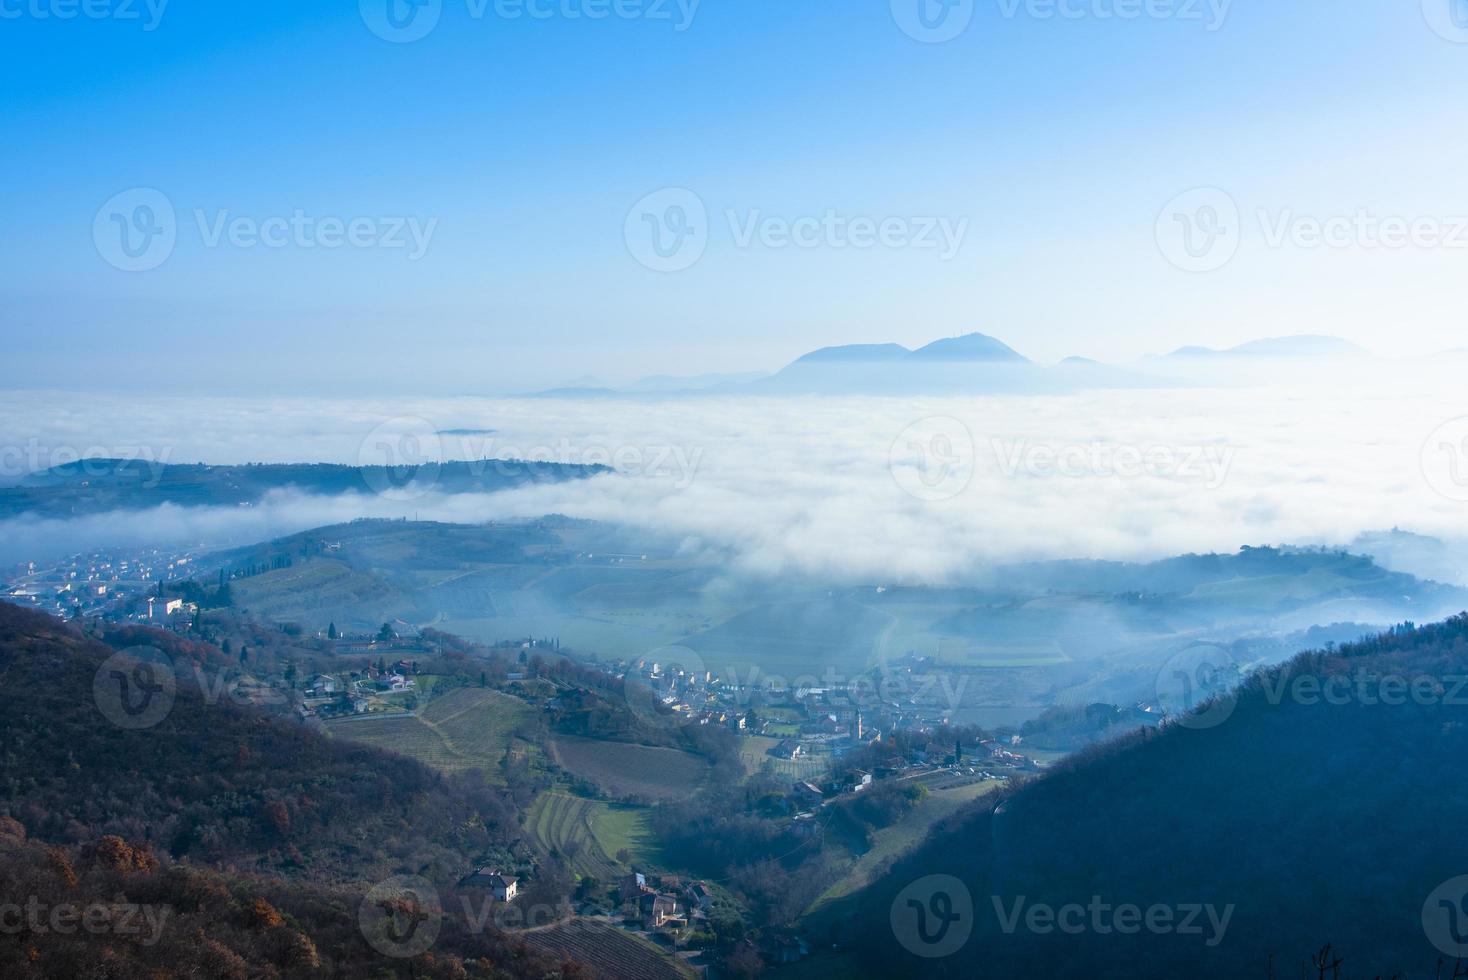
[[523, 143]]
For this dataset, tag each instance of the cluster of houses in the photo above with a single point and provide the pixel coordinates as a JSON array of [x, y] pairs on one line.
[[95, 583], [333, 696], [663, 903]]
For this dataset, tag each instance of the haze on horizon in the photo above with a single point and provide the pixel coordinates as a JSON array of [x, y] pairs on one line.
[[839, 178]]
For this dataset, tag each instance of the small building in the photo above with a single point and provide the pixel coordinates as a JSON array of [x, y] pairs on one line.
[[788, 749], [657, 910], [162, 609], [504, 887], [699, 896], [633, 887], [808, 792]]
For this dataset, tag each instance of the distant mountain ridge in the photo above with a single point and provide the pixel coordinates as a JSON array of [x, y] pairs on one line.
[[1297, 345], [972, 363]]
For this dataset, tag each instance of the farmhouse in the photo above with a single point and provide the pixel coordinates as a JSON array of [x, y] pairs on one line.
[[504, 887], [788, 749], [658, 910]]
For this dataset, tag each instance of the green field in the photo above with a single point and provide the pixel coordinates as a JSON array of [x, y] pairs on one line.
[[894, 841], [589, 834], [468, 728], [623, 770]]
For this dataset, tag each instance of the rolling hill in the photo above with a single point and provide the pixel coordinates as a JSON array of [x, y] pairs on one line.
[[97, 486]]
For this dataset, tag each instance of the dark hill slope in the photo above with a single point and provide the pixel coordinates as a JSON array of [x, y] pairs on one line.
[[1320, 823], [215, 782], [212, 807]]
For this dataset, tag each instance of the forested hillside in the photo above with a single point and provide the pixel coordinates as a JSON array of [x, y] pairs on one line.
[[1324, 805], [261, 839]]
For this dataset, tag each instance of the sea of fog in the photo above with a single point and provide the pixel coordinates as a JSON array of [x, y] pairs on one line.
[[892, 490]]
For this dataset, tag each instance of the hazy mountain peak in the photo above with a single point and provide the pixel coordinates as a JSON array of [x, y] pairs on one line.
[[970, 347]]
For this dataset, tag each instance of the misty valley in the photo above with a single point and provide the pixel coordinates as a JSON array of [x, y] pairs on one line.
[[678, 490]]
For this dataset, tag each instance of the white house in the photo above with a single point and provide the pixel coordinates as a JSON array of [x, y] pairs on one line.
[[504, 887]]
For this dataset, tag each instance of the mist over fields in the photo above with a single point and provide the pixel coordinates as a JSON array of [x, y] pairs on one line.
[[901, 491]]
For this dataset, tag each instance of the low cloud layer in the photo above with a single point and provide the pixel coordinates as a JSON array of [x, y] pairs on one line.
[[864, 489]]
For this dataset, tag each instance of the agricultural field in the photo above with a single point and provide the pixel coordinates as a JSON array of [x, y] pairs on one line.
[[589, 834], [894, 841], [614, 953], [468, 728], [754, 751], [623, 770]]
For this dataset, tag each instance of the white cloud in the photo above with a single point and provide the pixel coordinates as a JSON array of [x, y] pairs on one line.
[[794, 484]]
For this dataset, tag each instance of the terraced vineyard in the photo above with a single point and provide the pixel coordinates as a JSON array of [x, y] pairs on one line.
[[613, 953], [468, 728], [562, 823]]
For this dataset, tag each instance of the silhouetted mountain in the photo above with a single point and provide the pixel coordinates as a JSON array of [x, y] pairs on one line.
[[856, 354], [1302, 345], [970, 347], [972, 364]]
